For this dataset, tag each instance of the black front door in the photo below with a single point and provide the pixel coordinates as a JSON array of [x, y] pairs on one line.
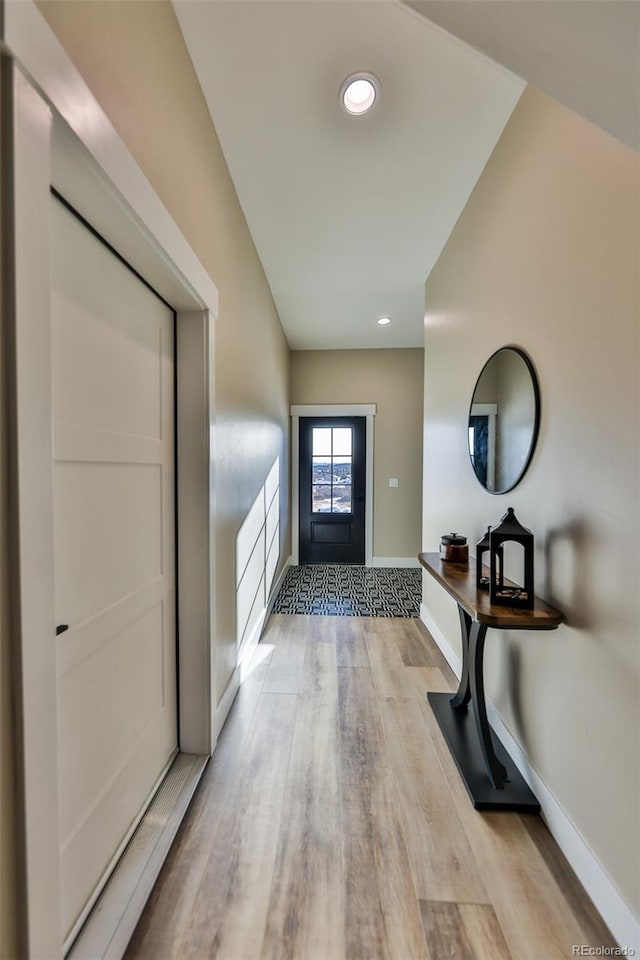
[[332, 489]]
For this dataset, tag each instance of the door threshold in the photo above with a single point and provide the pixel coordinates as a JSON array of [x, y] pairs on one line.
[[110, 925]]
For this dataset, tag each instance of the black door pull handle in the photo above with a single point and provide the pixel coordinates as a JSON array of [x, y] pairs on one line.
[[61, 628]]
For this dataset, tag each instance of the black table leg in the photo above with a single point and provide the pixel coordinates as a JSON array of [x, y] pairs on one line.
[[497, 772], [463, 695], [488, 772]]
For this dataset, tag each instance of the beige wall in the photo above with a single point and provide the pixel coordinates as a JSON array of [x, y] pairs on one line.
[[545, 255], [393, 379], [134, 59]]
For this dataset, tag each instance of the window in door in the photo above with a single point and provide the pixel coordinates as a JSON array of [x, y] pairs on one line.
[[332, 468]]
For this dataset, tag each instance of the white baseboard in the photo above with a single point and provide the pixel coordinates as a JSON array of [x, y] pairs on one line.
[[395, 562], [379, 562], [226, 701], [276, 586], [446, 649], [245, 653], [244, 656], [607, 899]]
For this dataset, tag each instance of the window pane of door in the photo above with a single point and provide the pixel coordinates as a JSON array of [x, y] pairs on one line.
[[341, 469], [342, 441], [321, 498], [341, 501], [331, 469], [321, 470], [321, 442]]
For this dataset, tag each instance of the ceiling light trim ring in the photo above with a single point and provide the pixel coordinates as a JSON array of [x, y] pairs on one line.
[[364, 94]]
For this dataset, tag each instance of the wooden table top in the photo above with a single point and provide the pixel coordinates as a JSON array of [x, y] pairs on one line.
[[459, 580]]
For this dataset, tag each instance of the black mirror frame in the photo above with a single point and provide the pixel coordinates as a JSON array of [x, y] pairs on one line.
[[536, 420]]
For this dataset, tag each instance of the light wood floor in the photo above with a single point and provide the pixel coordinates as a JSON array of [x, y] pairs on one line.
[[331, 823]]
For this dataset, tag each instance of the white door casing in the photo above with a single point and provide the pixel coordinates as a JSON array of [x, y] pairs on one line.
[[114, 549]]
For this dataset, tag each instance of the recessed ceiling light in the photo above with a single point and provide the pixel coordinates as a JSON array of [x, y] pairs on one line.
[[383, 321], [358, 93]]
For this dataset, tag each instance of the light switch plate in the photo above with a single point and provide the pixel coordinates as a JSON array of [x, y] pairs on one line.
[[393, 481]]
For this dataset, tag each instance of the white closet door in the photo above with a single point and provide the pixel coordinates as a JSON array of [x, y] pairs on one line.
[[113, 382]]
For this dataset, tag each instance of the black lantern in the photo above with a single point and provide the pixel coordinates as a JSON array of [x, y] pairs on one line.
[[482, 547], [510, 531]]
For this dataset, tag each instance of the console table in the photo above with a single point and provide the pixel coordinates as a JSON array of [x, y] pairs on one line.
[[492, 779]]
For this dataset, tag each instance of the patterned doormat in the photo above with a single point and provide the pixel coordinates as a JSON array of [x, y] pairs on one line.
[[329, 589]]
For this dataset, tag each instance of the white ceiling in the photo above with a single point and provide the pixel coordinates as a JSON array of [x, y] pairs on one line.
[[585, 53], [348, 214]]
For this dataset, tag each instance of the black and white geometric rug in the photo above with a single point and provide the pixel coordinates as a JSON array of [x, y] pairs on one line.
[[340, 590]]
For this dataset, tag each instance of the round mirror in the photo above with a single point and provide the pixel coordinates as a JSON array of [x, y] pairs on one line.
[[503, 420]]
